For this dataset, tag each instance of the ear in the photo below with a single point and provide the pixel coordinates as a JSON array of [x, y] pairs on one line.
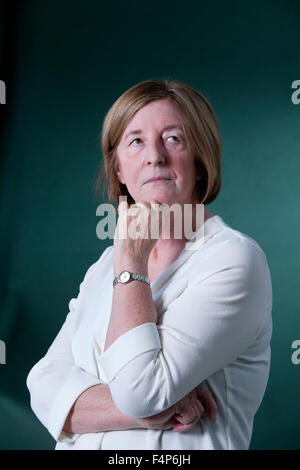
[[120, 178], [200, 171], [199, 174]]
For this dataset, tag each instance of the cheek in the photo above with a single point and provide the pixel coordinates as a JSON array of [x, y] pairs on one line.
[[132, 178], [185, 171]]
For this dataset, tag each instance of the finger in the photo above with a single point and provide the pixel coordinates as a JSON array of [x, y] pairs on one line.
[[133, 211], [186, 415], [211, 407], [140, 210], [200, 408], [209, 403], [155, 202], [194, 411], [122, 206], [179, 418], [190, 412], [145, 204], [156, 207], [140, 204], [184, 405], [168, 424], [184, 427]]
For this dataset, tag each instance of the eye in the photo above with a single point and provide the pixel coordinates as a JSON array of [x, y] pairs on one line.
[[137, 138], [171, 136], [174, 137]]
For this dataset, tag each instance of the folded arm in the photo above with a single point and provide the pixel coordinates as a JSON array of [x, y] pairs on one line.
[[67, 399], [150, 367]]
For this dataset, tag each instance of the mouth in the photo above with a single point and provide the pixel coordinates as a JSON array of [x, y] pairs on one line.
[[158, 180]]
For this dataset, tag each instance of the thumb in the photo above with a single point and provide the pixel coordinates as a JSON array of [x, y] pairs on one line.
[[154, 201], [123, 206]]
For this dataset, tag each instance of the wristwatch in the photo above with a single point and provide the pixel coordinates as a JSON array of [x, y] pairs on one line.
[[127, 276]]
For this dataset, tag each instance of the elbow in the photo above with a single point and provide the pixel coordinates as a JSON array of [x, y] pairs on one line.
[[34, 377], [139, 379], [141, 392], [33, 386], [31, 379]]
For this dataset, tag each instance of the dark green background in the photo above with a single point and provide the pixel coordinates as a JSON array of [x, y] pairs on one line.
[[64, 64]]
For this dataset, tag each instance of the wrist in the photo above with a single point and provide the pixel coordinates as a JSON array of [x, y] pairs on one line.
[[109, 417], [137, 423], [126, 422], [129, 264]]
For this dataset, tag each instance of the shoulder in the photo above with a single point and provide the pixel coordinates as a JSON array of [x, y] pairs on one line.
[[233, 270], [230, 250], [231, 244]]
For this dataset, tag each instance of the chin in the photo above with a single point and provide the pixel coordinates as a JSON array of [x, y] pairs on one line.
[[162, 199]]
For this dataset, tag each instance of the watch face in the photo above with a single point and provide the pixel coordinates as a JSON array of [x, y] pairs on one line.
[[124, 277]]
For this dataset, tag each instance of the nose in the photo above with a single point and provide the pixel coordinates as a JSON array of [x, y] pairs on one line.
[[156, 154]]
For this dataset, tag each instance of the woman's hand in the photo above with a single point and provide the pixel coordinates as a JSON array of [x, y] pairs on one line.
[[194, 406], [142, 218], [183, 415]]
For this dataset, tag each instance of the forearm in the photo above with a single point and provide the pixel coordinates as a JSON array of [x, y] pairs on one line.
[[132, 303], [95, 411]]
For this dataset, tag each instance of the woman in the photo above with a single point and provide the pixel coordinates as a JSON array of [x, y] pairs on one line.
[[192, 317]]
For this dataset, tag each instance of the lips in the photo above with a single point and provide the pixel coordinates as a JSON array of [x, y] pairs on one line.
[[157, 178]]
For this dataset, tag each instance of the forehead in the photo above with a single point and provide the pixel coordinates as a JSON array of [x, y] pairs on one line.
[[158, 113]]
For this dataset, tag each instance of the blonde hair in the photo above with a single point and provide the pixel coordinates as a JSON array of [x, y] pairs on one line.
[[199, 125]]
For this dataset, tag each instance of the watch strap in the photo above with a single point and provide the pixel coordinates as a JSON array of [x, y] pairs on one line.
[[132, 277]]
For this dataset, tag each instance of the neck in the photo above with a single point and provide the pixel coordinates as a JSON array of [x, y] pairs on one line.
[[170, 243]]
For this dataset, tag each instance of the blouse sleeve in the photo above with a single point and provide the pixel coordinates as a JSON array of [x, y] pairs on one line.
[[212, 322], [55, 382]]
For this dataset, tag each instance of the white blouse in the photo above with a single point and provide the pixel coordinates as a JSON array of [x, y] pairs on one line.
[[214, 328]]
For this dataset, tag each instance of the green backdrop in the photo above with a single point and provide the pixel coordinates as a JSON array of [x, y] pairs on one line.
[[64, 64]]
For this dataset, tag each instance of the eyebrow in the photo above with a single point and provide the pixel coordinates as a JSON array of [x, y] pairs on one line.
[[139, 131]]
